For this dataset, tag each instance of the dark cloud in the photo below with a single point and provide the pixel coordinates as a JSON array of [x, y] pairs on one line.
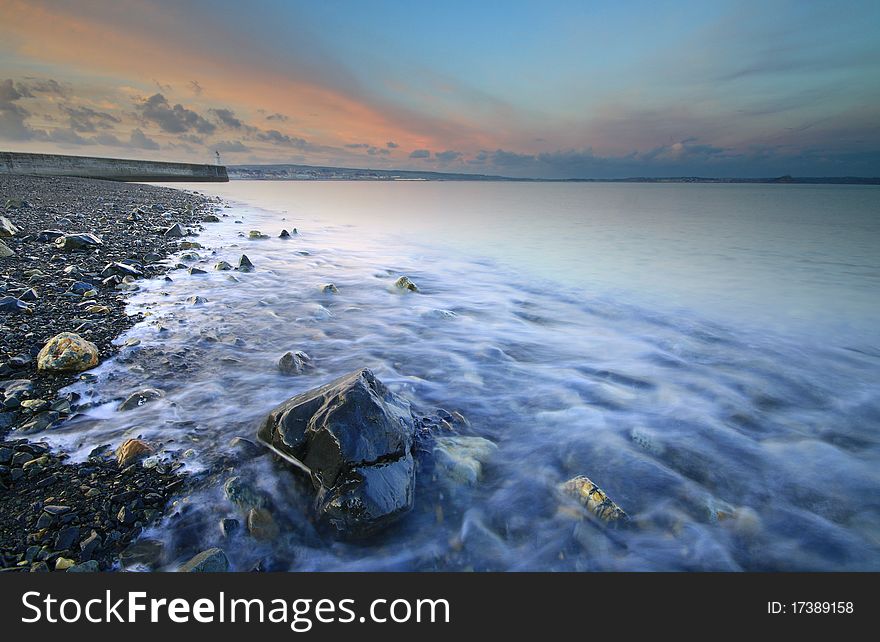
[[227, 117], [279, 117], [86, 119], [277, 138], [141, 141], [66, 136], [380, 151], [13, 117], [30, 86], [447, 156], [358, 146], [195, 87], [192, 138], [227, 146], [420, 153], [174, 120], [391, 145], [105, 138]]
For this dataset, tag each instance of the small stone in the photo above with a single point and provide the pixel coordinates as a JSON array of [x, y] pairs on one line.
[[175, 231], [222, 265], [7, 229], [228, 526], [67, 352], [196, 271], [213, 560], [66, 538], [11, 304], [5, 251], [210, 218], [91, 566], [125, 515], [257, 234], [132, 450], [294, 363], [284, 234], [261, 524], [329, 288], [197, 300], [139, 398], [79, 241], [244, 264], [64, 563], [404, 283], [594, 499]]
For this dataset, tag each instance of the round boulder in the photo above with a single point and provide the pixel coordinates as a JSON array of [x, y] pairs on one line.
[[67, 352]]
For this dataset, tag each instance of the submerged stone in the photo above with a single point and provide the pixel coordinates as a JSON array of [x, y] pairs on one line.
[[213, 560], [594, 499], [354, 437], [294, 363], [404, 283], [139, 398]]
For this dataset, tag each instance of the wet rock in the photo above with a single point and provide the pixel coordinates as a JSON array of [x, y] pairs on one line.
[[29, 296], [210, 218], [284, 234], [139, 398], [461, 459], [329, 288], [229, 526], [404, 283], [244, 264], [78, 241], [197, 300], [246, 447], [257, 234], [49, 236], [294, 363], [64, 563], [244, 495], [7, 229], [594, 499], [67, 352], [354, 437], [213, 560], [261, 525], [131, 450], [196, 271], [91, 566], [10, 304], [175, 231], [80, 287], [222, 266], [5, 251]]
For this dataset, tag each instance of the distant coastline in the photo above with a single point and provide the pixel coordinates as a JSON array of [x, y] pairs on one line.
[[289, 172]]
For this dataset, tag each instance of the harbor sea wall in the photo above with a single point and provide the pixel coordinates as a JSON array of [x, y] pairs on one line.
[[114, 169]]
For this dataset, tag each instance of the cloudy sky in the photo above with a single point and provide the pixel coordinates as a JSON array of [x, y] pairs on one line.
[[545, 89]]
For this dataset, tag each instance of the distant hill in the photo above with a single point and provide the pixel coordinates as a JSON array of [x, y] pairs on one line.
[[319, 173]]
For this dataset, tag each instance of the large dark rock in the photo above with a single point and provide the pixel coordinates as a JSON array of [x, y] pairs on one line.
[[355, 438]]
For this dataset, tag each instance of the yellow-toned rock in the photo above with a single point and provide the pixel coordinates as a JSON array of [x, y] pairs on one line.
[[132, 450], [63, 563], [593, 499], [67, 352]]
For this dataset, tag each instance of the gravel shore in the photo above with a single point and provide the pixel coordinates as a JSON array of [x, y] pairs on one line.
[[54, 514]]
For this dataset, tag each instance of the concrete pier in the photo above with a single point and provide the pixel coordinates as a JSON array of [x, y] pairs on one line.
[[114, 169]]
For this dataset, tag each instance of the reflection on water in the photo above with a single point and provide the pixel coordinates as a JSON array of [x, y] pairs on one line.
[[731, 448]]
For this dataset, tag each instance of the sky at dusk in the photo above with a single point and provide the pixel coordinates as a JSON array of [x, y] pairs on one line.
[[530, 89]]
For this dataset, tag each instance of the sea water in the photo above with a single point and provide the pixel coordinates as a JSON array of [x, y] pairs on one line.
[[708, 354]]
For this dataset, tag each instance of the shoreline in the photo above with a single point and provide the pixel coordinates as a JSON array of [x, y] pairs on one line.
[[54, 514]]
